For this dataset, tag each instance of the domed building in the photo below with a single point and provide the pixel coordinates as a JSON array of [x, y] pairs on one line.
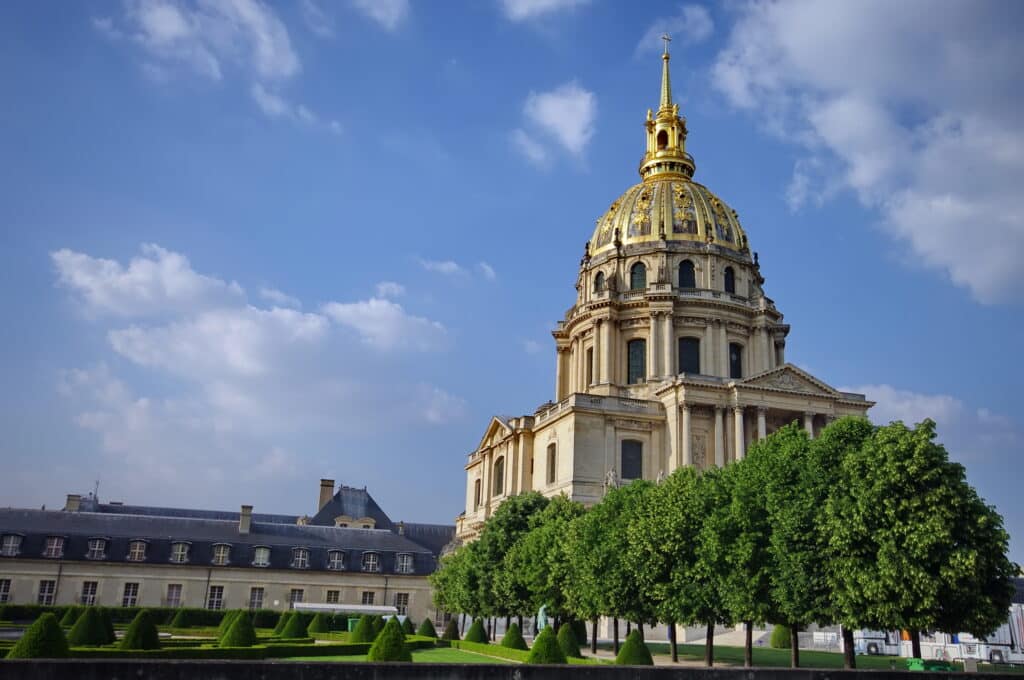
[[671, 355]]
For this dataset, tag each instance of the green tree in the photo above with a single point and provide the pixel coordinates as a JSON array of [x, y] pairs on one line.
[[71, 616], [377, 621], [634, 652], [476, 632], [282, 621], [225, 622], [545, 649], [407, 626], [426, 629], [296, 626], [568, 642], [451, 630], [240, 633], [141, 633], [456, 581], [363, 632], [513, 638], [108, 624], [44, 639], [89, 630], [321, 623], [390, 644]]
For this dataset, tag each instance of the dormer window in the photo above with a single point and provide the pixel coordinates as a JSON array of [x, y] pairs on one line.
[[261, 556], [10, 545], [97, 549], [179, 552], [336, 560], [54, 547], [221, 554], [404, 564], [371, 561], [300, 558], [136, 551]]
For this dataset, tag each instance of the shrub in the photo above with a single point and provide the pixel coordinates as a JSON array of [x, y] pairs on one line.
[[546, 649], [378, 625], [513, 638], [44, 639], [226, 621], [108, 624], [426, 629], [240, 633], [180, 619], [476, 632], [319, 624], [282, 621], [568, 642], [363, 631], [780, 637], [390, 644], [141, 633], [634, 652], [89, 630], [407, 627], [296, 626], [70, 616], [580, 629], [451, 630], [265, 618]]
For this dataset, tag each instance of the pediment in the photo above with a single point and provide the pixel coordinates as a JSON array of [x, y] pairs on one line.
[[496, 432], [789, 378]]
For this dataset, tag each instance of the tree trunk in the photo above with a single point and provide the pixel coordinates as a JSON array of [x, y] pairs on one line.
[[629, 628], [615, 632], [519, 620], [748, 644], [593, 635], [640, 627], [508, 622], [849, 659], [672, 641], [462, 624], [490, 622], [794, 646], [535, 631], [915, 644], [709, 645]]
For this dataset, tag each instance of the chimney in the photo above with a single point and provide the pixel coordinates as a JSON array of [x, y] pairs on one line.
[[326, 492], [245, 520], [74, 502], [401, 528]]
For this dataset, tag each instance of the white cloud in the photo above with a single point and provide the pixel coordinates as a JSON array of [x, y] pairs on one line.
[[155, 283], [523, 10], [390, 289], [388, 13], [383, 324], [532, 347], [439, 407], [487, 271], [317, 20], [534, 151], [447, 267], [895, 112], [566, 114], [692, 25], [279, 298]]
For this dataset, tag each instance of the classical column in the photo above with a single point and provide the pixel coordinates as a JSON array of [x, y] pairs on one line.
[[606, 351], [766, 351], [809, 423], [687, 453], [723, 350], [667, 362], [719, 436], [561, 370], [598, 348], [762, 424], [652, 349], [737, 417], [707, 358]]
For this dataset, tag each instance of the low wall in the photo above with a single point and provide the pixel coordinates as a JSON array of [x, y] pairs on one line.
[[270, 670]]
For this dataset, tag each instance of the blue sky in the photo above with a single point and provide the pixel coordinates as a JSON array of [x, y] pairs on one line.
[[246, 245]]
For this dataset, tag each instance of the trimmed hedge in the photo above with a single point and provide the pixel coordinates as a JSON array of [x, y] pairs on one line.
[[296, 626], [567, 641], [476, 632], [451, 631], [177, 616], [780, 638], [378, 624], [226, 622], [141, 633], [108, 625], [71, 616], [255, 652], [390, 644], [634, 652], [89, 630], [546, 649], [282, 621], [240, 633], [44, 639], [407, 627], [321, 623], [426, 629], [513, 639], [363, 631]]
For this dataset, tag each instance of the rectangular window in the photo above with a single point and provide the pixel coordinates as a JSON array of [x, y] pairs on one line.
[[97, 549], [11, 545], [371, 562], [261, 557], [215, 597], [136, 551], [173, 594], [402, 603], [336, 560], [255, 598], [47, 592], [54, 547], [632, 460], [735, 360], [221, 553], [636, 367], [5, 590], [300, 558], [333, 597], [552, 463], [295, 596], [131, 595], [689, 355], [590, 366], [367, 597], [404, 565], [179, 553], [89, 593]]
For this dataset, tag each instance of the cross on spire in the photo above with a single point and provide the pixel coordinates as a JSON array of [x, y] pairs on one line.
[[667, 38], [666, 85]]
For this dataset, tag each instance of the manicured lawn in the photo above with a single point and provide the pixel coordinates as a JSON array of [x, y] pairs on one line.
[[439, 655]]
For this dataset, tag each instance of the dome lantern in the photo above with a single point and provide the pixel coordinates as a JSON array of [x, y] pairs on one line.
[[666, 134]]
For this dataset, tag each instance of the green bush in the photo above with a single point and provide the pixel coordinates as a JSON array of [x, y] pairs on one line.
[[634, 652], [407, 627], [296, 626], [141, 633], [89, 630], [44, 639], [476, 632], [226, 621], [568, 642], [513, 638], [240, 633], [451, 630], [265, 618], [378, 624], [108, 624], [363, 631], [282, 621], [426, 629], [181, 617], [321, 623], [390, 644], [70, 616], [780, 637], [580, 629], [546, 649]]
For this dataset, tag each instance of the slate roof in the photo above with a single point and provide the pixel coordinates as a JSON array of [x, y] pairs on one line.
[[1018, 595], [353, 502]]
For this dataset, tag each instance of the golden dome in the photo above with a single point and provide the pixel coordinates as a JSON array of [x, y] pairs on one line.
[[670, 209]]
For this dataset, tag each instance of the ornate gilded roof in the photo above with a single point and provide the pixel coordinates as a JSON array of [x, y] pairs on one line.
[[675, 209]]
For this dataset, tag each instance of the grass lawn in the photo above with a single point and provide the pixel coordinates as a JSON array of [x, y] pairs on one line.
[[438, 655]]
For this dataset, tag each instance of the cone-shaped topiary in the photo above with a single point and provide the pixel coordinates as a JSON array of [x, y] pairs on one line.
[[451, 630], [44, 639], [634, 652], [296, 627], [282, 622], [180, 619], [240, 633], [141, 633], [71, 616], [363, 631], [580, 629], [320, 624], [426, 629], [108, 624], [568, 642], [780, 637], [390, 644], [89, 630], [407, 627], [226, 621], [476, 632], [545, 648], [378, 624], [513, 639]]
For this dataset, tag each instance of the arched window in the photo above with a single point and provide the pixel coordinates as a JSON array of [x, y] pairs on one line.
[[499, 476], [735, 360], [636, 362], [552, 461], [632, 464], [662, 140], [476, 494], [687, 277], [638, 276], [599, 282], [689, 355], [730, 280]]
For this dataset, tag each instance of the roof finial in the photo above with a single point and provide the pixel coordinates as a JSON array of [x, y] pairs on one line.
[[666, 84]]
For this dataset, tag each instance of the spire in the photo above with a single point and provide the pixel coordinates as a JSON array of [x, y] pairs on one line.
[[666, 83]]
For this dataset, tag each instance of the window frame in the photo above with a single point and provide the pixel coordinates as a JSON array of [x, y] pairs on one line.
[[91, 552], [53, 548], [48, 595], [407, 567], [214, 598], [368, 597], [403, 608], [552, 463], [688, 340], [221, 555], [332, 596], [180, 556], [296, 596], [11, 539], [692, 274], [5, 590], [735, 361], [498, 477], [261, 550], [256, 594], [175, 602], [599, 282], [90, 590], [638, 276], [131, 555], [300, 558], [639, 451], [364, 562], [642, 354], [729, 280], [336, 564], [130, 594]]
